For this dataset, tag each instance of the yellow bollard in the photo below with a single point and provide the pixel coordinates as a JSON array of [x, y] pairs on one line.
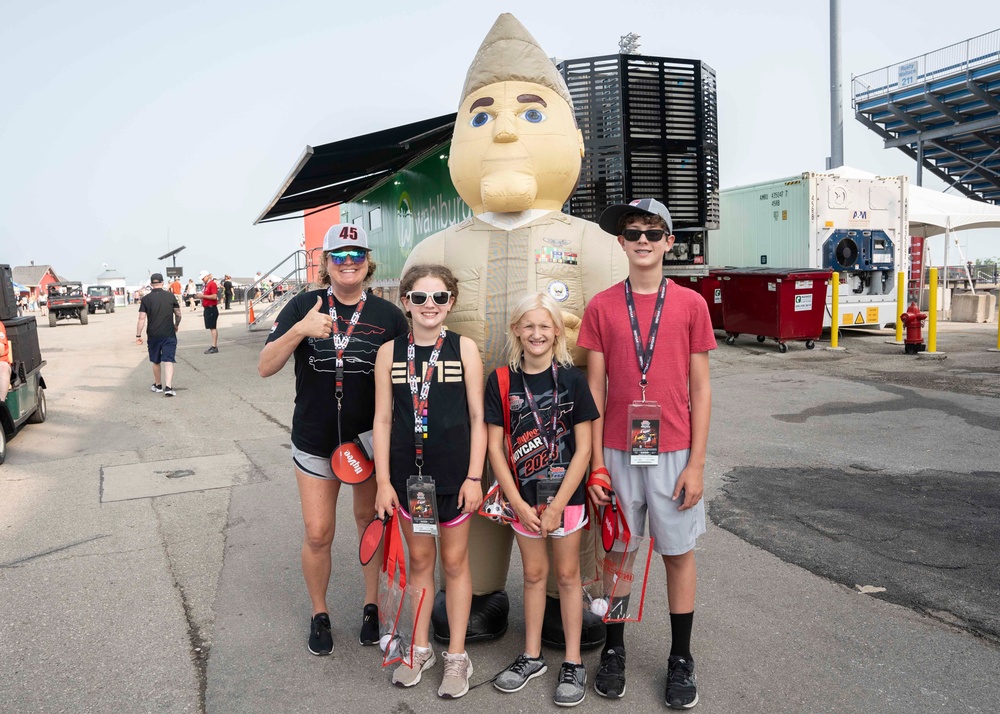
[[835, 314], [932, 283], [900, 305]]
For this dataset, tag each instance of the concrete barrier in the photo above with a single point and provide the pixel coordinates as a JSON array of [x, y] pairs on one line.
[[968, 307]]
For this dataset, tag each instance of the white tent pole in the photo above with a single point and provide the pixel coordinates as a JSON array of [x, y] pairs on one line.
[[947, 239]]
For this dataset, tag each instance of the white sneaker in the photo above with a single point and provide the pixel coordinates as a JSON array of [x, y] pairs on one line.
[[457, 672], [408, 676]]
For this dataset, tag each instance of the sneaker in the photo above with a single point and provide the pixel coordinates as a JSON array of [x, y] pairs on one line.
[[610, 680], [212, 351], [407, 676], [156, 388], [572, 686], [457, 672], [369, 625], [169, 391], [682, 693], [320, 637], [516, 676]]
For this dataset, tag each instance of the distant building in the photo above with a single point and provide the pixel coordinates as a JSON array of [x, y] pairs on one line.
[[116, 280], [35, 278]]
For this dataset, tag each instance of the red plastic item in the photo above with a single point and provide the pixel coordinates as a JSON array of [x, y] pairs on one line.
[[782, 304]]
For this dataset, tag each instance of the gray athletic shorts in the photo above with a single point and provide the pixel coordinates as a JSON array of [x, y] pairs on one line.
[[315, 466], [647, 490]]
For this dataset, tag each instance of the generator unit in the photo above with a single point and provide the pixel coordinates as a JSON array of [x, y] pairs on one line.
[[854, 226], [650, 128]]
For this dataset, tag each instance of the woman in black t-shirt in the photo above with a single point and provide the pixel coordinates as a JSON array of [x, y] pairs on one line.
[[306, 329]]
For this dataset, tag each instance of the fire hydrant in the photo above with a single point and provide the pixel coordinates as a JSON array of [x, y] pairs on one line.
[[913, 321]]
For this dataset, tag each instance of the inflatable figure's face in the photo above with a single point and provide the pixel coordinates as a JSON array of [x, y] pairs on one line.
[[515, 147]]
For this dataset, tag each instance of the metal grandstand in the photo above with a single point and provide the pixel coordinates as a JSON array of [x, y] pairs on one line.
[[943, 110]]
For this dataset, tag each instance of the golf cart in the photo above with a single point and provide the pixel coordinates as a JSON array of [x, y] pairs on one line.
[[67, 302], [26, 399], [100, 297]]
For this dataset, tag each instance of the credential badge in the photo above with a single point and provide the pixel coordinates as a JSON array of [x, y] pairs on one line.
[[558, 290]]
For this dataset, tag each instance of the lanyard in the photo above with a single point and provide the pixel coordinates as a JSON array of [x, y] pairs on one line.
[[340, 340], [645, 356], [549, 440], [420, 394]]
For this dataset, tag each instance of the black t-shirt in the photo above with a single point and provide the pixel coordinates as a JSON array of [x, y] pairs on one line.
[[448, 445], [576, 405], [159, 307], [314, 423]]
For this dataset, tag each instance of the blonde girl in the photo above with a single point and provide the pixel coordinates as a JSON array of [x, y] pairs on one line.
[[541, 423]]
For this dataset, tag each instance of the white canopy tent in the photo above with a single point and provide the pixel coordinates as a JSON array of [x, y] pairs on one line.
[[932, 213]]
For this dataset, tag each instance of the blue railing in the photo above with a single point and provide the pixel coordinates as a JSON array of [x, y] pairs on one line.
[[960, 57]]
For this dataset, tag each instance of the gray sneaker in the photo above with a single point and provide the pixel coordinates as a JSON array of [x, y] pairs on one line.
[[457, 672], [406, 676], [515, 677], [572, 685]]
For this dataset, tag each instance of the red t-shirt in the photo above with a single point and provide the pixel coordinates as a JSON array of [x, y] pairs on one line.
[[685, 329], [210, 289]]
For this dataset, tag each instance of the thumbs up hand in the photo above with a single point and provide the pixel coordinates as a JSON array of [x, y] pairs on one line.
[[317, 322]]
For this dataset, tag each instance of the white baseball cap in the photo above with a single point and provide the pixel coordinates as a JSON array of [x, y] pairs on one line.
[[344, 235], [202, 274]]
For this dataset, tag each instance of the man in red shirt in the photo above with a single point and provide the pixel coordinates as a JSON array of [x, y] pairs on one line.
[[209, 297]]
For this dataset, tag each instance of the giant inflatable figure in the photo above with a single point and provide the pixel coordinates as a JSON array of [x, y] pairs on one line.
[[515, 160]]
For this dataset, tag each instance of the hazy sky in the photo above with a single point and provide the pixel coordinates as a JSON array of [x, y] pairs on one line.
[[128, 129]]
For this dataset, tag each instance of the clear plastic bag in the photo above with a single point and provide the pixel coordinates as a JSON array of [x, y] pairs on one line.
[[616, 590], [496, 507], [399, 604]]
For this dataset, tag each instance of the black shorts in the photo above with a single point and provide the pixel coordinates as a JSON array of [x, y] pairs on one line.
[[211, 316], [449, 514]]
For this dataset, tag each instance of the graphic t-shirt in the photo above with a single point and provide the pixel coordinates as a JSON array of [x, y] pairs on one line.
[[159, 308], [685, 329], [575, 405], [448, 444], [314, 423]]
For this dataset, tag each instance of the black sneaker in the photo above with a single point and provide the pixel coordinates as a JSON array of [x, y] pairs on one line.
[[610, 679], [156, 388], [320, 637], [212, 351], [681, 690], [369, 625], [169, 392]]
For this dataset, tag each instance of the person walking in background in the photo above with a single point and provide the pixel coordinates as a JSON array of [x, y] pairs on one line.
[[175, 289], [227, 288], [164, 315], [209, 297], [190, 290]]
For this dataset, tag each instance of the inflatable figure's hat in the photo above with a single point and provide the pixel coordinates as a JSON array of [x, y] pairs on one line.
[[510, 53]]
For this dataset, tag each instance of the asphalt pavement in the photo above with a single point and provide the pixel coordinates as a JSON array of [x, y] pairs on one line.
[[149, 546]]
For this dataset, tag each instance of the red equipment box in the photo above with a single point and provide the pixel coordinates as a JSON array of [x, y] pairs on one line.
[[783, 304]]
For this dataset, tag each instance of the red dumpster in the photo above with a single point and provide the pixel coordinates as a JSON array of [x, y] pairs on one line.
[[709, 287], [783, 304]]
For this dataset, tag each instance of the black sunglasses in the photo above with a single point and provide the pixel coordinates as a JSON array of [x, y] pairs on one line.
[[634, 234], [419, 297]]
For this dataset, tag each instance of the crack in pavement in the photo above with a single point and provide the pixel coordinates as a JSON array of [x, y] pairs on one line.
[[50, 551]]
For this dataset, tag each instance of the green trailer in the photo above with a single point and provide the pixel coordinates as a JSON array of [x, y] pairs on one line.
[[25, 403]]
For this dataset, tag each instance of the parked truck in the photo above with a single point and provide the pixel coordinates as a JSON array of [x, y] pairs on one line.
[[854, 226]]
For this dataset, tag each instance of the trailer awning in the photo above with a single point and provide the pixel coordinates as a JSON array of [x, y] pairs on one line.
[[337, 172]]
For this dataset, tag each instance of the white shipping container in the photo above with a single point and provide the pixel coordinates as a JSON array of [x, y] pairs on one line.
[[856, 226]]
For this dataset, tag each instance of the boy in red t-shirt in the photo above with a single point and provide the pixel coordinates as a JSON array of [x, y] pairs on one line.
[[649, 340]]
